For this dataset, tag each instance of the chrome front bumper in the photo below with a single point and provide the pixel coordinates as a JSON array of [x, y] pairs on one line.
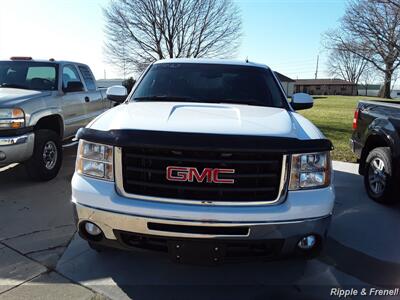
[[289, 231], [16, 149]]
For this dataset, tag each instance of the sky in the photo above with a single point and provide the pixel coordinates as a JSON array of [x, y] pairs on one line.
[[284, 34]]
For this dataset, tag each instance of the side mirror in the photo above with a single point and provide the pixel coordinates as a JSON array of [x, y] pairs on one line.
[[73, 86], [117, 93], [302, 101]]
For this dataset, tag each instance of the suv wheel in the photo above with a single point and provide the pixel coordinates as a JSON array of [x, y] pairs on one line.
[[45, 162], [379, 178]]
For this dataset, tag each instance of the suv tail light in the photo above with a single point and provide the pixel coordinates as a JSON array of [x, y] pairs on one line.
[[355, 120]]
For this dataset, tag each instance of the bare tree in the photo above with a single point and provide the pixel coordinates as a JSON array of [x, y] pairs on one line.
[[142, 31], [394, 3], [371, 30], [396, 76], [368, 78], [346, 65]]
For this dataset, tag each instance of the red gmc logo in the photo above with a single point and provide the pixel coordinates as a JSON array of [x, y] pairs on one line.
[[189, 174]]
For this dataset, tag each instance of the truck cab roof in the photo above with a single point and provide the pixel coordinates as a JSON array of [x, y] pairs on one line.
[[211, 61], [50, 60]]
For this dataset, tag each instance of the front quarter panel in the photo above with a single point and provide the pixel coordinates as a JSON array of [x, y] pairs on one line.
[[37, 108], [49, 106]]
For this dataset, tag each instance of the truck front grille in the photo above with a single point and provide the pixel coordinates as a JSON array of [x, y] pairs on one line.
[[257, 175]]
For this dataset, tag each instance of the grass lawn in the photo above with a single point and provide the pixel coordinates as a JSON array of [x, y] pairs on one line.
[[333, 115]]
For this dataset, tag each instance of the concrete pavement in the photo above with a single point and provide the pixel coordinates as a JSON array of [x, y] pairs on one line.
[[40, 257], [362, 250], [36, 226]]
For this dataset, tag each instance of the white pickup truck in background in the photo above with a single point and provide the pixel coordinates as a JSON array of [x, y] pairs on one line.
[[42, 104]]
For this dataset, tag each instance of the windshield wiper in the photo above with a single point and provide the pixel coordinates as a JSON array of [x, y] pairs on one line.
[[242, 102], [202, 100], [165, 98], [14, 85]]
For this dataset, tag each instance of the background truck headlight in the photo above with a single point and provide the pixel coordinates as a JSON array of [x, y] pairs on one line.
[[12, 118], [95, 160], [310, 170]]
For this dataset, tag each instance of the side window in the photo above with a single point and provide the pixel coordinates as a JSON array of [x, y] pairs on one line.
[[48, 73], [41, 78], [70, 73], [87, 76]]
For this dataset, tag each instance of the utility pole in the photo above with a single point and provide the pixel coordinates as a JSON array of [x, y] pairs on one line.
[[316, 70], [105, 75]]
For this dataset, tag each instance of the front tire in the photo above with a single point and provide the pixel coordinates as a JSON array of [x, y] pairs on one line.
[[46, 160], [379, 179]]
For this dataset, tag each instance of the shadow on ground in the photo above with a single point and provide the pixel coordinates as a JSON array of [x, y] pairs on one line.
[[36, 223], [36, 217], [362, 250]]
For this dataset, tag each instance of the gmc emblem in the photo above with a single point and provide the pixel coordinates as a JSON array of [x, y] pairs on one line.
[[190, 174]]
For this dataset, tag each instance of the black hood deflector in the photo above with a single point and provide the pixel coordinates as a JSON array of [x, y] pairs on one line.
[[203, 141]]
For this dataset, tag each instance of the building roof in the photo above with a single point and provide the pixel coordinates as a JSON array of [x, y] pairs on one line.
[[323, 82], [217, 61], [283, 78]]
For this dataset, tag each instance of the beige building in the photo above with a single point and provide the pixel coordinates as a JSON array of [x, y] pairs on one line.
[[287, 83], [325, 87]]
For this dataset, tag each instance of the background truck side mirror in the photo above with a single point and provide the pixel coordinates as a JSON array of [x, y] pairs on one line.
[[73, 86], [117, 93], [301, 101]]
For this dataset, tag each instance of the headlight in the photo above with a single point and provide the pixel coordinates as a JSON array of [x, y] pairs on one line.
[[12, 118], [310, 170], [95, 160]]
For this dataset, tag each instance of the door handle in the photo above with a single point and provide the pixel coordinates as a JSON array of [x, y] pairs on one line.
[[87, 99]]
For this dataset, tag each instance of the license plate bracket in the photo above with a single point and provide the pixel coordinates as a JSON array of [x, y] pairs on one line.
[[189, 251]]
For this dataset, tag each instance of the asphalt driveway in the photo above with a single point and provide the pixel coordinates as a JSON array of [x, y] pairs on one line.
[[38, 246]]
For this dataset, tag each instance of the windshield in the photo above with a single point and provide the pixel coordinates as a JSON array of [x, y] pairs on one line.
[[28, 75], [210, 83]]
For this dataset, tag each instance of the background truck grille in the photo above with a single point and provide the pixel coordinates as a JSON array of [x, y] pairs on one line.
[[257, 175]]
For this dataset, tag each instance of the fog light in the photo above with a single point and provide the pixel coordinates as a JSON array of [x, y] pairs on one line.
[[307, 242], [2, 156], [92, 229]]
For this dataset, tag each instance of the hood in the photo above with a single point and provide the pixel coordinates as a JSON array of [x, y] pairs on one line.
[[207, 118], [14, 97]]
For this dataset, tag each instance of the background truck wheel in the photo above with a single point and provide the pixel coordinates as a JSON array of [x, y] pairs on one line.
[[379, 175], [45, 162]]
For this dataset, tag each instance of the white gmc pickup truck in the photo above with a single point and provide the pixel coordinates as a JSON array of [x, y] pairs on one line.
[[204, 159]]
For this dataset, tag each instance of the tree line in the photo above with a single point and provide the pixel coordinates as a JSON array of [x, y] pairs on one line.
[[367, 43], [139, 32]]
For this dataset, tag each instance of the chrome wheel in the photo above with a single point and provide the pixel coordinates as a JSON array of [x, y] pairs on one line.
[[377, 177], [50, 155]]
